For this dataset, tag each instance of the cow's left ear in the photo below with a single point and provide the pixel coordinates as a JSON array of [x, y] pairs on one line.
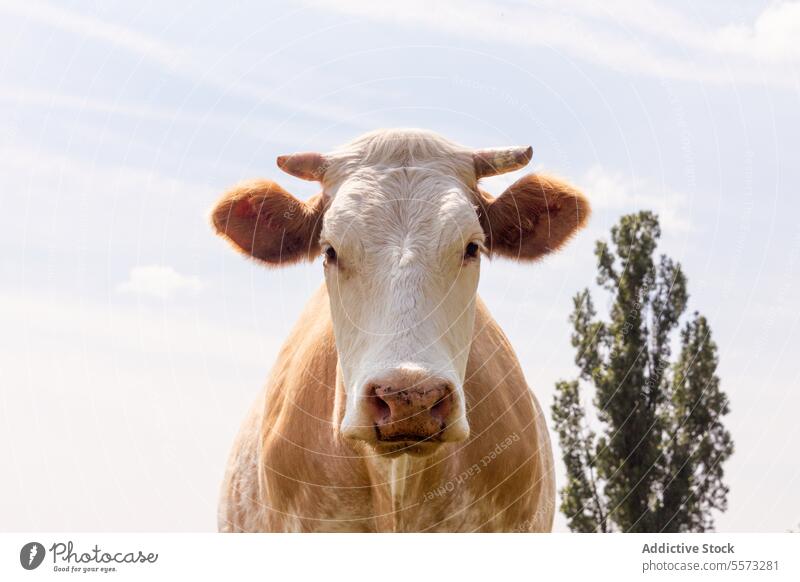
[[535, 216], [264, 221]]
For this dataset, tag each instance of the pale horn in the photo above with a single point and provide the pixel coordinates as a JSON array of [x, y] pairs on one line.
[[306, 165], [490, 162]]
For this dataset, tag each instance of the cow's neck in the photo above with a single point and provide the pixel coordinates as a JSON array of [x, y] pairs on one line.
[[398, 476], [400, 487]]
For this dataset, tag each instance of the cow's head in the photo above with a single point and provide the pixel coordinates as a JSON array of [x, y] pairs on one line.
[[402, 226]]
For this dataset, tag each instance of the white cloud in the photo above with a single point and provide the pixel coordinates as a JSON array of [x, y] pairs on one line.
[[774, 36], [158, 281], [633, 37], [613, 190]]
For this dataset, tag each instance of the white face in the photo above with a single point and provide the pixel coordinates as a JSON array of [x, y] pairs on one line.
[[402, 263]]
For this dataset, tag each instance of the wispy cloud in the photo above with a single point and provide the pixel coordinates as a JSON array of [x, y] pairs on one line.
[[86, 201], [616, 191], [205, 66], [89, 26], [31, 170], [160, 281], [61, 323], [254, 126], [623, 35]]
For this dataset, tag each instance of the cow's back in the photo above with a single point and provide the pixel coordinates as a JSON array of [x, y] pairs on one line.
[[290, 471]]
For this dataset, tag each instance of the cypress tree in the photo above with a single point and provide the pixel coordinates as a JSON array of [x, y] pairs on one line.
[[655, 461]]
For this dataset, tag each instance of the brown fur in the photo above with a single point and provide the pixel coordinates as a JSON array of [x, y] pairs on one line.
[[536, 215], [264, 221], [290, 470]]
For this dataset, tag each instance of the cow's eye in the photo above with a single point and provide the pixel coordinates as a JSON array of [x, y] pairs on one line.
[[330, 255], [472, 250]]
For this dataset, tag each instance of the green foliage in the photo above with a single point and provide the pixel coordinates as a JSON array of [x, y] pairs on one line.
[[657, 463]]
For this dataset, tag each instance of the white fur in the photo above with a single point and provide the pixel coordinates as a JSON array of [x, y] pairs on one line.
[[400, 216]]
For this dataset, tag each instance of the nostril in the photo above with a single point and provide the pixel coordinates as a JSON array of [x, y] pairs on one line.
[[441, 409], [381, 411]]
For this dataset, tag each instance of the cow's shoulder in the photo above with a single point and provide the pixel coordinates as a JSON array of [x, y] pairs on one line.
[[497, 394], [286, 467], [509, 440]]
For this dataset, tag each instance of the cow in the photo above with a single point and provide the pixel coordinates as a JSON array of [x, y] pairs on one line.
[[396, 404]]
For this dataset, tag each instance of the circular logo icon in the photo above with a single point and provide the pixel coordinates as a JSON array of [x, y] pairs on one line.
[[31, 555]]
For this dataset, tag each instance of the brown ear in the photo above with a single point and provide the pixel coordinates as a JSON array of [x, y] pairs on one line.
[[534, 216], [263, 220]]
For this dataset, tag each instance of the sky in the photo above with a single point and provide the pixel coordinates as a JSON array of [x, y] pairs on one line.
[[133, 340]]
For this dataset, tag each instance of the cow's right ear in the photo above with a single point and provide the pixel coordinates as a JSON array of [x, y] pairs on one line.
[[264, 221]]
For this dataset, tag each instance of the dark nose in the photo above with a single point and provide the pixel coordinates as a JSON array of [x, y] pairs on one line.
[[410, 409]]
